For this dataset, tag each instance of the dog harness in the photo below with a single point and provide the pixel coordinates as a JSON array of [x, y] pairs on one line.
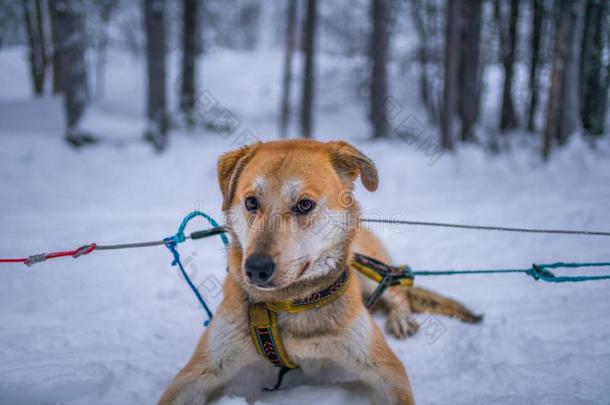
[[263, 316], [263, 319], [385, 274]]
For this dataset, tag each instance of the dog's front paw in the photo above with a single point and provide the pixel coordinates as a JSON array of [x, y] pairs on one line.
[[400, 324]]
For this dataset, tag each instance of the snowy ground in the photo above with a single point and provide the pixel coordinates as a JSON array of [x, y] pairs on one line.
[[114, 327]]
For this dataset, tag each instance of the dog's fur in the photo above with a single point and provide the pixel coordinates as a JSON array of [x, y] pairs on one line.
[[310, 251]]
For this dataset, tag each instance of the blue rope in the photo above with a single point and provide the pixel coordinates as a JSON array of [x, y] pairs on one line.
[[537, 271], [171, 243], [180, 237]]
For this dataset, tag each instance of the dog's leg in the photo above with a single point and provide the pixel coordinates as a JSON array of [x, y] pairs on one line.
[[422, 300], [365, 352], [222, 351], [402, 302], [400, 322]]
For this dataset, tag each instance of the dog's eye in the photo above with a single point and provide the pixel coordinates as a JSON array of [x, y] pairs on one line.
[[304, 207], [251, 204]]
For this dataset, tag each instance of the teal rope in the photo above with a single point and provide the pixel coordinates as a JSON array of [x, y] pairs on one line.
[[179, 237], [537, 271], [574, 265], [541, 272], [172, 245]]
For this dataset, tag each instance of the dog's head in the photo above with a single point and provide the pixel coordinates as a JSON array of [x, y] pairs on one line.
[[290, 209]]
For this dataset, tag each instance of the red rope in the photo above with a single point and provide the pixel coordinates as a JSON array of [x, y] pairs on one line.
[[12, 260], [83, 250]]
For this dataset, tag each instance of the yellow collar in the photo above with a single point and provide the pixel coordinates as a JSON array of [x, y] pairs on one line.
[[315, 300]]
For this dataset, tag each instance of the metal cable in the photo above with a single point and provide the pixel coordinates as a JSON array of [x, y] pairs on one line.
[[484, 228]]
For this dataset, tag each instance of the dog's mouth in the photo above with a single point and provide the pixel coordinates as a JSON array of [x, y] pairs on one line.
[[263, 286], [303, 269]]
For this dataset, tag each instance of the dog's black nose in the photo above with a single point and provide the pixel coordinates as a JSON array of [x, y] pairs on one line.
[[259, 267]]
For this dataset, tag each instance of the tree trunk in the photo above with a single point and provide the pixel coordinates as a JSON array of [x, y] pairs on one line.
[[592, 9], [56, 52], [291, 16], [560, 53], [105, 9], [469, 66], [190, 29], [308, 70], [69, 22], [594, 89], [36, 42], [604, 103], [508, 118], [379, 57], [419, 13], [154, 16], [570, 100], [249, 16], [536, 44], [43, 37], [452, 55]]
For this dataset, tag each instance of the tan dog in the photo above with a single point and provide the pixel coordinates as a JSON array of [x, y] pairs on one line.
[[293, 228]]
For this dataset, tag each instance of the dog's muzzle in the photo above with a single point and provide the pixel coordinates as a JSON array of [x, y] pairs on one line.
[[259, 268]]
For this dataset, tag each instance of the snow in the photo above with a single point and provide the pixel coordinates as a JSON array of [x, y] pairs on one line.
[[114, 327]]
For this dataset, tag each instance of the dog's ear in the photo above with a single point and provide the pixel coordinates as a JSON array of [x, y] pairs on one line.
[[349, 162], [229, 167]]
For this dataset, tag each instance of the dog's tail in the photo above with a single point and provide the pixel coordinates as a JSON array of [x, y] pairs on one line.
[[422, 300]]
